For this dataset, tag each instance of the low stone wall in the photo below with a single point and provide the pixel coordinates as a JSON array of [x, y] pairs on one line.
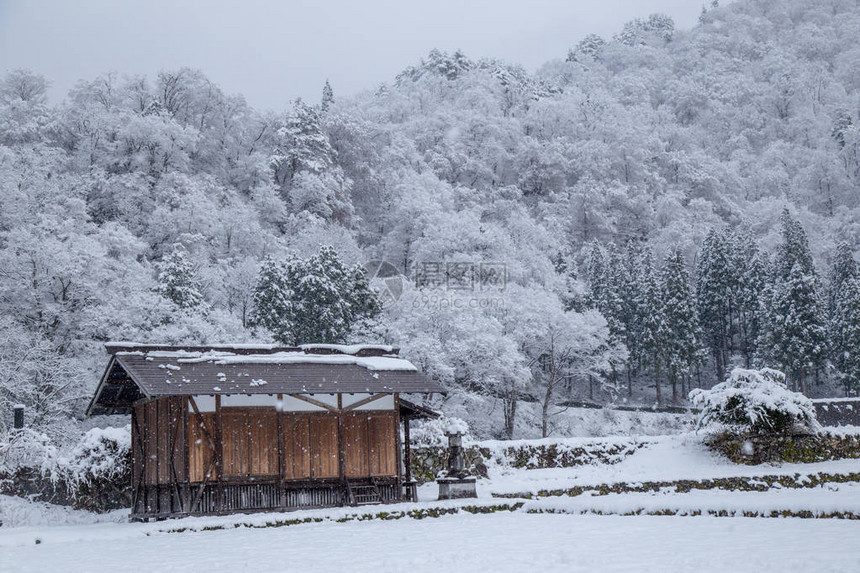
[[427, 461], [754, 450]]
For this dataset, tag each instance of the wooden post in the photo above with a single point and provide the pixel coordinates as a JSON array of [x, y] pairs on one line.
[[186, 463], [341, 455], [282, 462], [397, 446], [407, 450], [219, 454]]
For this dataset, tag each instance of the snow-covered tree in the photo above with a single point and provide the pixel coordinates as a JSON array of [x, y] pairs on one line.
[[301, 145], [682, 348], [177, 279], [327, 97], [314, 300], [793, 330], [653, 331], [713, 296], [755, 401]]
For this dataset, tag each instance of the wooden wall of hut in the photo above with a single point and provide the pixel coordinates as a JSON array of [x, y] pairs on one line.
[[247, 458]]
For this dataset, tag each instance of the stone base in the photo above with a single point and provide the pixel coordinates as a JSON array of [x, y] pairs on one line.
[[456, 488]]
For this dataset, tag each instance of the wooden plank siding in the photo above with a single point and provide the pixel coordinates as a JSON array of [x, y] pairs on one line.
[[253, 457], [297, 447], [250, 442], [310, 444], [370, 444], [324, 447], [200, 449]]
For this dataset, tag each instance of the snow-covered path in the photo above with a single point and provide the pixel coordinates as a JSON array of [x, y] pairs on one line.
[[514, 542]]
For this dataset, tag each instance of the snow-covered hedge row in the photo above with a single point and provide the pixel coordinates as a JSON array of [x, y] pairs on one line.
[[86, 476], [755, 401], [429, 460]]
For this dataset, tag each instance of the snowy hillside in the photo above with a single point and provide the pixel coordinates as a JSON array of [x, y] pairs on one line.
[[627, 223]]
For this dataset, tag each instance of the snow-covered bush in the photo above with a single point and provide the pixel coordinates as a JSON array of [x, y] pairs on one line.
[[27, 448], [94, 475], [755, 401], [102, 454], [434, 432]]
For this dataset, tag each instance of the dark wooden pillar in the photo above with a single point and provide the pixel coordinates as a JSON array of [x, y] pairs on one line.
[[219, 454], [186, 485], [282, 452], [341, 453], [407, 450]]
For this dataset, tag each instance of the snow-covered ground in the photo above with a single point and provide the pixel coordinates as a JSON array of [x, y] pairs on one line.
[[661, 458], [556, 533], [507, 542]]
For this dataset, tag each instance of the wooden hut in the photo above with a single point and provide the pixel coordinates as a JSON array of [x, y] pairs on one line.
[[223, 429]]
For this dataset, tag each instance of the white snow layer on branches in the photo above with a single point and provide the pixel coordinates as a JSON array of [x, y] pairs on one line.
[[754, 400], [100, 454]]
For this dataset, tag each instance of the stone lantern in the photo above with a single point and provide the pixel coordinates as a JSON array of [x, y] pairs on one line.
[[456, 483]]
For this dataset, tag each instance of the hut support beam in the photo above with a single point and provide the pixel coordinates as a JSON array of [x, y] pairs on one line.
[[310, 400], [362, 402]]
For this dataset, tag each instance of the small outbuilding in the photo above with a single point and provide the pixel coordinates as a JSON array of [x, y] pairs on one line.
[[222, 429]]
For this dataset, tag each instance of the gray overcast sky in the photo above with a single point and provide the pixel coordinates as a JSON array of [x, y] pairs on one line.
[[274, 51]]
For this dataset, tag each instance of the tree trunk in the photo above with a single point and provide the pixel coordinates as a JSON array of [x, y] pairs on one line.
[[674, 380], [657, 381], [545, 410], [510, 407], [629, 383]]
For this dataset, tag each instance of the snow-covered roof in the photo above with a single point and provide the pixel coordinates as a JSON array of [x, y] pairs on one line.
[[145, 370]]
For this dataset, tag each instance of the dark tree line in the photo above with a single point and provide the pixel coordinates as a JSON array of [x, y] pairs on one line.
[[740, 307]]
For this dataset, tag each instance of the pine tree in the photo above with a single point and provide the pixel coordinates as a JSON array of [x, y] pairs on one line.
[[844, 268], [750, 277], [271, 299], [713, 296], [327, 97], [302, 145], [624, 278], [604, 295], [177, 280], [793, 334], [842, 312], [846, 331], [652, 327], [314, 300], [681, 344]]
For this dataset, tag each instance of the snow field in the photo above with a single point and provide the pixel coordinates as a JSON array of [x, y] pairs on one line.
[[555, 533], [499, 543]]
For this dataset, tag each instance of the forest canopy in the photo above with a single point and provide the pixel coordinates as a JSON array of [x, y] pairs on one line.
[[635, 218]]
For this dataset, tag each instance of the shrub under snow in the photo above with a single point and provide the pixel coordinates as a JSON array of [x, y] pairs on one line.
[[755, 401], [92, 475], [102, 454]]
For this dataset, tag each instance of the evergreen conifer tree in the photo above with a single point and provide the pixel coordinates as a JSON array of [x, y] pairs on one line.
[[652, 327], [793, 334], [842, 312], [681, 348], [713, 293], [302, 145], [314, 300], [177, 280], [327, 97], [846, 331], [750, 273]]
